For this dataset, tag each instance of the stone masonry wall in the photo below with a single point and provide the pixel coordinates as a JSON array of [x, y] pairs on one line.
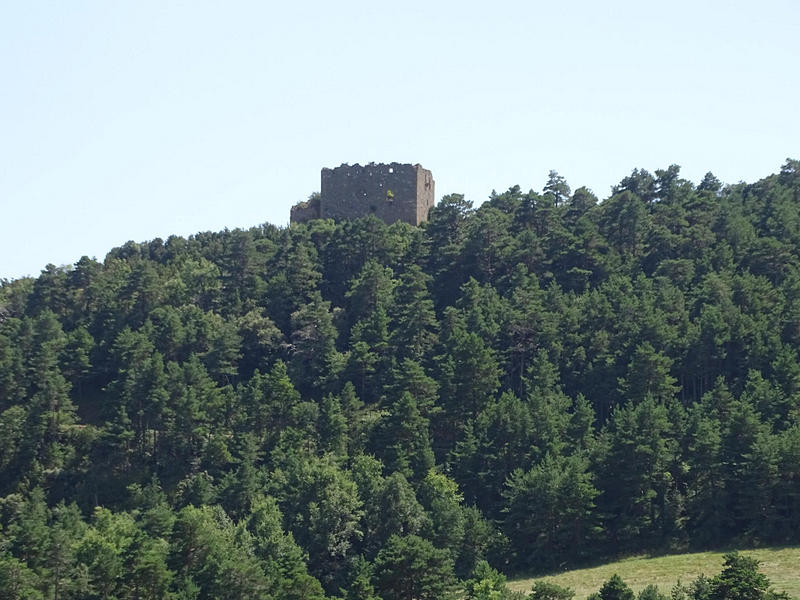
[[425, 193], [392, 192], [305, 211]]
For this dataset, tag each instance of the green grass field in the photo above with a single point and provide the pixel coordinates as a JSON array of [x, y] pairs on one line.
[[780, 565]]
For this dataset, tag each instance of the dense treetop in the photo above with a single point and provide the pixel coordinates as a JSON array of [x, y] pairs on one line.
[[355, 409]]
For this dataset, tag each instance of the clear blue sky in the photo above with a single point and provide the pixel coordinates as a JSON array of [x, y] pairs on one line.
[[134, 120]]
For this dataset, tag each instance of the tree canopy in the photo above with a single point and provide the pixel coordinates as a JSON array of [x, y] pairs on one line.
[[349, 409]]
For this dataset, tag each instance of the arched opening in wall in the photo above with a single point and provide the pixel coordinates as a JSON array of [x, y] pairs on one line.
[[373, 208]]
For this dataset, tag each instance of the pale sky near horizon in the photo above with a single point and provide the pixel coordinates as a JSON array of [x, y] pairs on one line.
[[135, 120]]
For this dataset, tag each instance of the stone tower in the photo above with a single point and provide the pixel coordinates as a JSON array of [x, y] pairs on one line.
[[391, 192]]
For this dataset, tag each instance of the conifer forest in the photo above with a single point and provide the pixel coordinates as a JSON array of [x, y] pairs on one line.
[[366, 411]]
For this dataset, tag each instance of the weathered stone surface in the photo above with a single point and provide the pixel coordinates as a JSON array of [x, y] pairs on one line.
[[391, 192], [305, 211]]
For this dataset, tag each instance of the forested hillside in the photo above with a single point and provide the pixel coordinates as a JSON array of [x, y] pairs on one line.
[[366, 411]]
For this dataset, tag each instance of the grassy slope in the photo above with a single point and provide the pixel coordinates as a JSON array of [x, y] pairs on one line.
[[781, 565]]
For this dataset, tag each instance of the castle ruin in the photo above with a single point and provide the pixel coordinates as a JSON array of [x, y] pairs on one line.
[[392, 192]]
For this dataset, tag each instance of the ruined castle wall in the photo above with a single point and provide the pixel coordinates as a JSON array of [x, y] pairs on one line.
[[425, 193], [392, 192], [305, 211]]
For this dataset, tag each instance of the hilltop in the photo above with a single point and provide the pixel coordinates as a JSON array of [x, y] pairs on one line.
[[354, 408]]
